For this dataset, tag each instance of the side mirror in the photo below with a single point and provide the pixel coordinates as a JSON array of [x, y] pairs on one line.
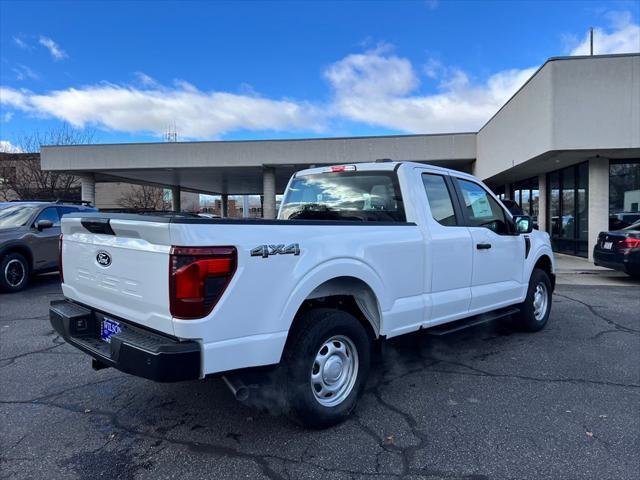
[[523, 223], [42, 224]]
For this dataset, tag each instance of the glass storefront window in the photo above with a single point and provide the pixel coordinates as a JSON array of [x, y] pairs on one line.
[[567, 219], [525, 194], [624, 193]]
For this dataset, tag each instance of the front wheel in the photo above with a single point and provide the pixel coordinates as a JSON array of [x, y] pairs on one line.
[[14, 273], [535, 310], [327, 364]]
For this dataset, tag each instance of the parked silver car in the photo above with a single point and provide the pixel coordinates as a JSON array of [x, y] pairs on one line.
[[29, 233]]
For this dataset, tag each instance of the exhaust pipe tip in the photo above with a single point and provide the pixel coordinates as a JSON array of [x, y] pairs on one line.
[[238, 388]]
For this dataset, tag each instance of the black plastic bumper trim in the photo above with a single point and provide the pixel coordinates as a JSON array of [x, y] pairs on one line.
[[135, 350]]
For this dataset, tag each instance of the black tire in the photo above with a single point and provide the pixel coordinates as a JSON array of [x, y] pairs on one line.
[[309, 336], [14, 273], [531, 318]]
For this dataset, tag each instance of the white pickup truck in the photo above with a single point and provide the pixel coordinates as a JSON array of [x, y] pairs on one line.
[[359, 253]]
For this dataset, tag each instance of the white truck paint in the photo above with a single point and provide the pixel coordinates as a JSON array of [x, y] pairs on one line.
[[403, 276]]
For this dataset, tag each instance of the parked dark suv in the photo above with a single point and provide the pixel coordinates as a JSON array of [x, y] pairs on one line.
[[29, 233]]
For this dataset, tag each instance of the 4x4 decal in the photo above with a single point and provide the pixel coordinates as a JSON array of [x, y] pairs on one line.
[[265, 251]]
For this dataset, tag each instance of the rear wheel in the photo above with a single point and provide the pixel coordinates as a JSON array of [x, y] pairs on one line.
[[534, 311], [14, 273], [327, 364]]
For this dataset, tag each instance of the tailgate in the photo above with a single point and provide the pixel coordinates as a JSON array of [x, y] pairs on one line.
[[119, 266]]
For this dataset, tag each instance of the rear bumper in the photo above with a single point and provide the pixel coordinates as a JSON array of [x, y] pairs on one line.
[[135, 350], [628, 263]]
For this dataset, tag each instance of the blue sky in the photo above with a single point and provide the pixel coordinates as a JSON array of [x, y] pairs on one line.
[[245, 70]]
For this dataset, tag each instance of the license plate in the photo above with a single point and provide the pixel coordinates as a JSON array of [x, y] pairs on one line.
[[109, 328], [607, 245]]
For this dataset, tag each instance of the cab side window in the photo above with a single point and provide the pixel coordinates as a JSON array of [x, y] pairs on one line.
[[50, 213], [481, 209], [440, 200]]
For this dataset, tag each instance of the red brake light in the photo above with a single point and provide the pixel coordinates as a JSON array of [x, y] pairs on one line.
[[628, 243], [342, 168], [60, 259], [198, 277]]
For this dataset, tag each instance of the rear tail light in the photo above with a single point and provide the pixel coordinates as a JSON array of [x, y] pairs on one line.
[[60, 259], [627, 244], [198, 276]]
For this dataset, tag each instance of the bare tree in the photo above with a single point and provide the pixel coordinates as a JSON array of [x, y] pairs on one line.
[[27, 180], [145, 197]]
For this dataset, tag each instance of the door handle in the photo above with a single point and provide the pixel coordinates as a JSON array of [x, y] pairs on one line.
[[483, 246]]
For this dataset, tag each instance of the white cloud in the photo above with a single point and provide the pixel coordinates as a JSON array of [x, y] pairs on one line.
[[196, 114], [378, 88], [7, 116], [433, 68], [23, 72], [13, 98], [622, 37], [145, 80], [376, 73], [8, 147], [54, 49], [20, 42]]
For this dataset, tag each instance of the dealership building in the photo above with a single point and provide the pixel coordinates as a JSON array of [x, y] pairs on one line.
[[566, 147]]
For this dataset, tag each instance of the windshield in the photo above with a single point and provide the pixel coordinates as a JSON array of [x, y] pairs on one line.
[[344, 196], [12, 216]]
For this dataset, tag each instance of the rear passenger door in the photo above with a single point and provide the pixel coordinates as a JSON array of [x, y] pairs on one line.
[[498, 254], [448, 255]]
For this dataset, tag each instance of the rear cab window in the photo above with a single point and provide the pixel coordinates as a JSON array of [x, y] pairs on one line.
[[440, 200], [367, 196]]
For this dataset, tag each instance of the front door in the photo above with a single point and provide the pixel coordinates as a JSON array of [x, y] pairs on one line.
[[44, 244], [498, 254]]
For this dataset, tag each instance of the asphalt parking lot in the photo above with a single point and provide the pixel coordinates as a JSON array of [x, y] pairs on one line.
[[484, 403]]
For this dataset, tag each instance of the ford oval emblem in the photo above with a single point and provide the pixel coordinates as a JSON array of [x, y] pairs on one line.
[[103, 259]]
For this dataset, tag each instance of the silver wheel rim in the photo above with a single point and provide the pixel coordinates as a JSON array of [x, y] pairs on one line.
[[14, 272], [334, 371], [540, 301]]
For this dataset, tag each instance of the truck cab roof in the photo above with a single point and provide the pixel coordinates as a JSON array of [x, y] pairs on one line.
[[380, 166]]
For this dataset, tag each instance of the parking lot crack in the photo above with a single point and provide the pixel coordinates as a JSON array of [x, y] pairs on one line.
[[473, 371], [11, 360], [617, 326]]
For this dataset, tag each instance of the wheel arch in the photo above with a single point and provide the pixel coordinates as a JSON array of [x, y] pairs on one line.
[[544, 262], [347, 285], [20, 248]]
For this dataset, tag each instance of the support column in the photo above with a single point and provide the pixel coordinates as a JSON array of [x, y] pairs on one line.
[[224, 205], [507, 191], [88, 188], [542, 203], [269, 192], [245, 206], [175, 199], [598, 200]]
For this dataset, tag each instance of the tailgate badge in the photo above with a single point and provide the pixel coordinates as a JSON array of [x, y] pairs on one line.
[[103, 258]]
